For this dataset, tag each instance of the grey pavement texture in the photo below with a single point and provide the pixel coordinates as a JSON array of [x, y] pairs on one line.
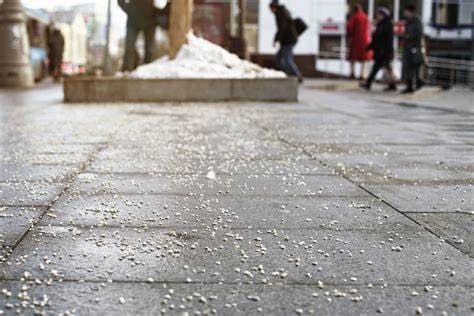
[[345, 203]]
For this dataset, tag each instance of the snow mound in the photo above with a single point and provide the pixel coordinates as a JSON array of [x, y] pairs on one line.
[[200, 58]]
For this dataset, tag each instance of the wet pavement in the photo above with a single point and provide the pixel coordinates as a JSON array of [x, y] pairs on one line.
[[345, 203]]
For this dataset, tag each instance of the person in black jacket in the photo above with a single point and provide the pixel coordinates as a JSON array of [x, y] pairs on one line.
[[55, 41], [412, 50], [382, 45], [287, 37], [143, 16]]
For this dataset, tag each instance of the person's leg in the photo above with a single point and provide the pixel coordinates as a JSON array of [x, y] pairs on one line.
[[375, 69], [419, 82], [149, 44], [279, 60], [51, 65], [59, 70], [129, 57], [392, 84], [409, 75], [362, 70], [352, 75], [289, 61]]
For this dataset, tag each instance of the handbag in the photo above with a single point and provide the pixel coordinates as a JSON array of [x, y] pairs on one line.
[[300, 26]]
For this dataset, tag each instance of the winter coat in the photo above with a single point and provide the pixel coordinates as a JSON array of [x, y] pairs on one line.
[[55, 46], [141, 13], [412, 45], [286, 30], [358, 30], [382, 42]]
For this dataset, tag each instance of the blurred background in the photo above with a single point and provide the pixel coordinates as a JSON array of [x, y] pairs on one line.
[[321, 51]]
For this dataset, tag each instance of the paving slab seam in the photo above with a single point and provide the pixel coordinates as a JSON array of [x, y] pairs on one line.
[[203, 174], [69, 182], [352, 115], [364, 189], [230, 228], [224, 194], [304, 284], [440, 212], [414, 104], [24, 206]]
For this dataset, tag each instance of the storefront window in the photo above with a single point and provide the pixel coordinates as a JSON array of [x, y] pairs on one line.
[[445, 13]]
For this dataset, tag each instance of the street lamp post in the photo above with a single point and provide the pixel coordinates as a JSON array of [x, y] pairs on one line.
[[106, 64], [15, 68]]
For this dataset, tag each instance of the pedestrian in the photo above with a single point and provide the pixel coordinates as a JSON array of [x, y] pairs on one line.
[[287, 37], [141, 17], [412, 50], [358, 32], [382, 46], [55, 41]]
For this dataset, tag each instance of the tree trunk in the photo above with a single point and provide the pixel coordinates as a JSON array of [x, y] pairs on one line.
[[180, 24]]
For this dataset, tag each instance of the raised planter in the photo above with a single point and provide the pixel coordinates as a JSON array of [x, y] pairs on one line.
[[114, 90]]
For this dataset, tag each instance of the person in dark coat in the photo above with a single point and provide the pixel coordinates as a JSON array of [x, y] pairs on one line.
[[287, 37], [143, 16], [358, 32], [55, 43], [382, 45], [412, 50]]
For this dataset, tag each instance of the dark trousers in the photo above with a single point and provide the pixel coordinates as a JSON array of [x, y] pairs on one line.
[[412, 76], [130, 61], [286, 61], [55, 63], [376, 68]]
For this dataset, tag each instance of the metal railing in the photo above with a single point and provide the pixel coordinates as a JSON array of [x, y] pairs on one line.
[[436, 71], [449, 72]]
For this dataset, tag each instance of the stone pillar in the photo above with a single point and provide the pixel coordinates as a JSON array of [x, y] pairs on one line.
[[180, 24], [15, 68]]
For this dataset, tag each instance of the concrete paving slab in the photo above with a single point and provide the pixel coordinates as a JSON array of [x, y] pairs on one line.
[[29, 193], [456, 229], [46, 173], [229, 167], [286, 185], [420, 198], [14, 222], [233, 212], [234, 299], [249, 256]]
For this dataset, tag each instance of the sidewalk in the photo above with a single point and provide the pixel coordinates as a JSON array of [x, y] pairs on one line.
[[339, 205]]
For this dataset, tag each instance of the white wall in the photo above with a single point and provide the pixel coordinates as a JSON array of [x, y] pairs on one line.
[[312, 11]]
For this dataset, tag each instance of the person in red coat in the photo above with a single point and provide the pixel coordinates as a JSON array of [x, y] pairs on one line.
[[358, 33]]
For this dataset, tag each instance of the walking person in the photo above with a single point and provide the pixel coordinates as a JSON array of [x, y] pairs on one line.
[[141, 17], [55, 41], [286, 37], [358, 32], [412, 50], [382, 46]]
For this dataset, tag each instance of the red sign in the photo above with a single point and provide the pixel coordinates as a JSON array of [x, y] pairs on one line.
[[399, 28], [209, 22]]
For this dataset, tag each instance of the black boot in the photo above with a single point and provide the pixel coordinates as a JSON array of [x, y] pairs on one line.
[[409, 89], [366, 85], [391, 88], [420, 84]]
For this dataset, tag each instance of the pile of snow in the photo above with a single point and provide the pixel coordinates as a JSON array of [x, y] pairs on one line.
[[202, 59]]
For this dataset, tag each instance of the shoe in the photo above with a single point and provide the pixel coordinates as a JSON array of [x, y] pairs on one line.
[[300, 80], [390, 88], [420, 84], [365, 85], [408, 91]]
